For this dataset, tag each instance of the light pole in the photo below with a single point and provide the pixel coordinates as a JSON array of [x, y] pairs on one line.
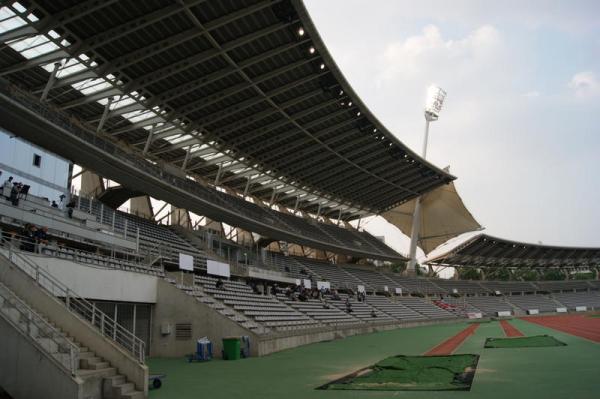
[[433, 106]]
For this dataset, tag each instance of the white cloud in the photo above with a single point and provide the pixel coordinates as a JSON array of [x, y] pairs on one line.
[[430, 54], [531, 94], [585, 84]]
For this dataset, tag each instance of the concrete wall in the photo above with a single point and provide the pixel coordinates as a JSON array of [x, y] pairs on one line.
[[100, 283], [175, 306], [83, 332], [26, 372]]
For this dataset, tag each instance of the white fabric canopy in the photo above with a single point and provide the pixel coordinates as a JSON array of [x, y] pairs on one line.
[[443, 216]]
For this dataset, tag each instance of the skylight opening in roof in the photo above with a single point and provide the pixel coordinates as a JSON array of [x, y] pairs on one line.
[[32, 18], [28, 42], [70, 68], [93, 85], [175, 140], [141, 117], [20, 8]]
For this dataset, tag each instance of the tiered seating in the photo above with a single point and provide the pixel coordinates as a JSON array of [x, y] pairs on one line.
[[462, 286], [337, 276], [573, 299], [556, 286], [363, 310], [264, 309], [595, 284], [395, 308], [416, 285], [489, 305], [539, 302], [100, 260], [507, 287], [461, 306], [373, 279], [155, 240], [286, 264], [323, 312], [425, 308]]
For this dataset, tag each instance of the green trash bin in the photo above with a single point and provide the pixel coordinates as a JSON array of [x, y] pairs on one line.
[[231, 348]]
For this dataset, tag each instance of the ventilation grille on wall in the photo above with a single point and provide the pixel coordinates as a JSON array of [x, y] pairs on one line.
[[183, 331]]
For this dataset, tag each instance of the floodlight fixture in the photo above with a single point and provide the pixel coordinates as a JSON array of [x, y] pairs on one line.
[[433, 105]]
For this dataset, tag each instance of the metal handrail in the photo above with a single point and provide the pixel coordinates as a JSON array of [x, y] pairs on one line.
[[43, 330], [78, 305], [79, 254]]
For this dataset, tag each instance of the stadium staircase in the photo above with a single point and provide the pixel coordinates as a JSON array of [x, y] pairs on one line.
[[87, 352]]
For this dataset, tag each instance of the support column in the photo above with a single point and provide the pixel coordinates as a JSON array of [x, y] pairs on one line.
[[180, 217], [91, 184], [141, 206]]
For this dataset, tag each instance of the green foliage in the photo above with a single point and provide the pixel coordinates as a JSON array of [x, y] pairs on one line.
[[469, 274], [553, 275], [398, 267], [499, 273], [526, 275], [583, 276]]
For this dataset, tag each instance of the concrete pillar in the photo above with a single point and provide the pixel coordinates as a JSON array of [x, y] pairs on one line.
[[244, 237], [141, 206], [91, 184], [180, 217]]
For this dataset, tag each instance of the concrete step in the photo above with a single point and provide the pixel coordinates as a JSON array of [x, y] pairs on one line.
[[133, 395], [89, 362], [115, 380], [101, 365], [48, 344], [121, 389]]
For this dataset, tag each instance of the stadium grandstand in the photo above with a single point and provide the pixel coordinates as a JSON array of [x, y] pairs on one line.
[[185, 181]]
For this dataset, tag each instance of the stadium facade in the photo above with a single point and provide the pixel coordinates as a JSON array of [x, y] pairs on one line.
[[234, 117]]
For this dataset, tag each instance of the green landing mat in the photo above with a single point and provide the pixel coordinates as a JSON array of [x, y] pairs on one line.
[[537, 341], [412, 373]]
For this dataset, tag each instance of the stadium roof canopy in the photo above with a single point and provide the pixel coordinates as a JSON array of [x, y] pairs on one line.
[[486, 251], [243, 94]]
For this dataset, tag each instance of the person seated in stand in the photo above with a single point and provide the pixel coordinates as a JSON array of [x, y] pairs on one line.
[[274, 289], [54, 204], [303, 296], [28, 238], [70, 207], [41, 238], [219, 284], [373, 314], [348, 305], [14, 194], [335, 295], [288, 292], [7, 187]]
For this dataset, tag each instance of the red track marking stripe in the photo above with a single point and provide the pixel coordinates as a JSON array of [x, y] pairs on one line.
[[578, 325], [510, 330], [451, 344]]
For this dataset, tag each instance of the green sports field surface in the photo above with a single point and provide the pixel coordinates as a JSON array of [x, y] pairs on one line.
[[571, 371]]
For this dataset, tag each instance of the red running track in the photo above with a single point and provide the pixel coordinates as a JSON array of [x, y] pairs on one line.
[[452, 343], [578, 325], [510, 330]]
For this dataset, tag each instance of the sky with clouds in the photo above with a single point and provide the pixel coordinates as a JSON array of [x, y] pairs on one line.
[[521, 124]]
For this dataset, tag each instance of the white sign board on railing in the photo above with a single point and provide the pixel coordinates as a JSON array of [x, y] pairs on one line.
[[323, 284], [399, 291], [533, 311], [581, 308], [360, 288], [186, 262], [474, 315], [386, 289], [504, 313], [218, 268], [561, 310], [307, 283]]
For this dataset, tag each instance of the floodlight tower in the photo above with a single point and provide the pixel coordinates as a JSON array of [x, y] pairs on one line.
[[433, 107]]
